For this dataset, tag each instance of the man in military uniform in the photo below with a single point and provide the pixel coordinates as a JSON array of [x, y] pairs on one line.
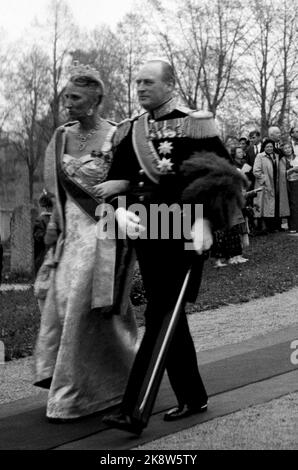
[[150, 151]]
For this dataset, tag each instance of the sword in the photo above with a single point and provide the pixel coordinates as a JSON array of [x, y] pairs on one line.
[[170, 329], [155, 373]]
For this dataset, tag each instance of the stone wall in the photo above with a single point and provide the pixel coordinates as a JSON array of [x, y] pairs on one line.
[[21, 245], [5, 217]]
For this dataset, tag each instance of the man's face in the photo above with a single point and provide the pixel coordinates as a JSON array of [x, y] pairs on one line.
[[275, 134], [152, 90], [255, 139], [295, 134]]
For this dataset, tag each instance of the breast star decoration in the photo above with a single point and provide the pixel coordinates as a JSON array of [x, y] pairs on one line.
[[165, 147], [165, 165]]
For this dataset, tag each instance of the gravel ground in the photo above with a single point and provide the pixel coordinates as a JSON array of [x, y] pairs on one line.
[[210, 329], [236, 323], [270, 426], [273, 425]]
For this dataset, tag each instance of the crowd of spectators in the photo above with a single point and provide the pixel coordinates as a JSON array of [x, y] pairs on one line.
[[271, 167]]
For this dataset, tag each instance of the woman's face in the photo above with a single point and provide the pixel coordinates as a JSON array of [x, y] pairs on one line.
[[287, 150], [77, 101], [239, 155], [269, 148]]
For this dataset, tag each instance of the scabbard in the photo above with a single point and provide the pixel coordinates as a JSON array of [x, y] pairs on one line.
[[153, 377]]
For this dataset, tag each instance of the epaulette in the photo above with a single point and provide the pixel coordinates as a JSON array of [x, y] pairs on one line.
[[184, 109], [69, 124], [199, 125], [122, 130], [108, 143]]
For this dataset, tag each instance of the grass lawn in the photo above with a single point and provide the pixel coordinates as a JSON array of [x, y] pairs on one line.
[[19, 322], [272, 268]]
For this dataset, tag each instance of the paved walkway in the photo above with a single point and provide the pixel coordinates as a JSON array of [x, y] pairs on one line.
[[260, 423]]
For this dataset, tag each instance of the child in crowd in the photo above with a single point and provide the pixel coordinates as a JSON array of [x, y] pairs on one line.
[[40, 227]]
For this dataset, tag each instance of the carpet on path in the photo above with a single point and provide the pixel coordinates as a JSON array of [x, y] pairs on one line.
[[30, 430]]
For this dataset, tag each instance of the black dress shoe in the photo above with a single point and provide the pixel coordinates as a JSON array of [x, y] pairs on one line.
[[183, 411], [124, 422]]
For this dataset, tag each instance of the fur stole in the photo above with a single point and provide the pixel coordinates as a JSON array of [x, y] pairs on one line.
[[212, 181]]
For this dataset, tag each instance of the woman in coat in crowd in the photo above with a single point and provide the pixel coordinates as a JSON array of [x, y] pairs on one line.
[[270, 174], [292, 177]]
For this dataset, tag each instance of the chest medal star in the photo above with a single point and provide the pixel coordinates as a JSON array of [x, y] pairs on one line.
[[165, 165], [165, 147]]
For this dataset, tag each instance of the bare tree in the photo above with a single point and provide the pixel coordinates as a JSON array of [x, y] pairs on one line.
[[272, 60], [101, 51], [133, 45], [5, 61], [117, 57], [28, 91], [288, 24], [204, 46], [62, 34]]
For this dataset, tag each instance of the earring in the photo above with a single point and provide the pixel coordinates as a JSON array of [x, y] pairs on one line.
[[90, 112]]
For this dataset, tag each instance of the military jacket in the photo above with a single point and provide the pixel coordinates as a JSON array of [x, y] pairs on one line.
[[149, 149]]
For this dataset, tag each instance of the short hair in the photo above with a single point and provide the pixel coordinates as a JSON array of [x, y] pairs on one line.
[[266, 142], [273, 129], [286, 142], [292, 129], [254, 132], [234, 149], [168, 74]]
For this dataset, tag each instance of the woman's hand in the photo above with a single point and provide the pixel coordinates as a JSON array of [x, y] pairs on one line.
[[109, 188]]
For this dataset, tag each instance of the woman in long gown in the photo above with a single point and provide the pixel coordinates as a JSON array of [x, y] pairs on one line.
[[87, 337]]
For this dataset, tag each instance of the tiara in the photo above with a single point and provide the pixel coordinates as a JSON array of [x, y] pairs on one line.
[[79, 69]]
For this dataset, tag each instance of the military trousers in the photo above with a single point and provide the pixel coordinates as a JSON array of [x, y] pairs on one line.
[[163, 265]]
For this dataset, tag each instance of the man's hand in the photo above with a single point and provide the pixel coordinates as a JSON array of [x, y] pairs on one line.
[[202, 235], [111, 187], [129, 222]]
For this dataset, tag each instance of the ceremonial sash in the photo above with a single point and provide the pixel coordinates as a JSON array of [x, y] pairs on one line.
[[144, 148], [103, 282], [83, 198]]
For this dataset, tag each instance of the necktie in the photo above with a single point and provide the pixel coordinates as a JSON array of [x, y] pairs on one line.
[[274, 166]]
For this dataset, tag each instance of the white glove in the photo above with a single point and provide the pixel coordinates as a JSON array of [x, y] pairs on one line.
[[111, 187], [201, 235], [129, 222]]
